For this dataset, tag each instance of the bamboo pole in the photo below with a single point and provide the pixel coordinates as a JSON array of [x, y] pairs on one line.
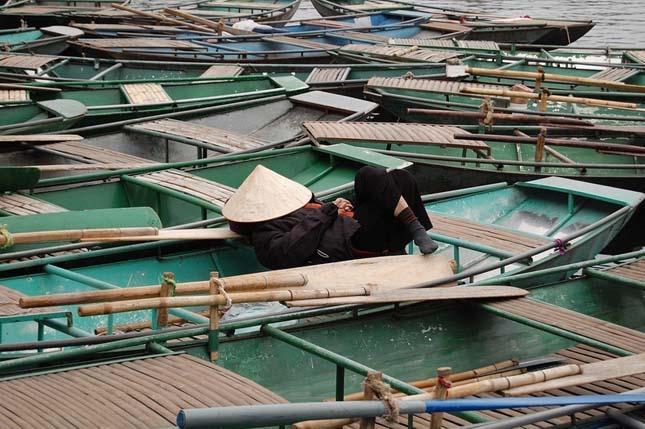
[[174, 234], [194, 301], [213, 325], [162, 18], [539, 146], [553, 142], [137, 326], [166, 290], [244, 283], [207, 22], [516, 117], [504, 383], [541, 76], [74, 235], [563, 98], [440, 393]]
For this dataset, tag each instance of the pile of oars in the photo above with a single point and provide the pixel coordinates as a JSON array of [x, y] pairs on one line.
[[505, 379]]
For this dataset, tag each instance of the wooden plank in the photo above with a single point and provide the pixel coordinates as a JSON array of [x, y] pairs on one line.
[[207, 190], [30, 62], [9, 303], [19, 204], [615, 74], [634, 270], [592, 372], [432, 294], [335, 102], [97, 154], [448, 87], [145, 93], [147, 392], [391, 132], [13, 95], [223, 71], [226, 141], [407, 53], [328, 74], [39, 138], [140, 43], [637, 55]]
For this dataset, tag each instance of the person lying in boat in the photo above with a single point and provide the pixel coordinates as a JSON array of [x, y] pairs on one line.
[[288, 228]]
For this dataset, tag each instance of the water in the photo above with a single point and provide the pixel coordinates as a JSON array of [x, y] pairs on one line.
[[618, 22]]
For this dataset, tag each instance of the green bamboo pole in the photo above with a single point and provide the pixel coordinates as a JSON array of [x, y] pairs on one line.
[[569, 267], [356, 367]]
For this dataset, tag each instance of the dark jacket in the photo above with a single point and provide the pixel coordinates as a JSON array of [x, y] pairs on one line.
[[306, 236]]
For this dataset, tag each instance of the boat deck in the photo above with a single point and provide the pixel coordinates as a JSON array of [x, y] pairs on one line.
[[145, 93], [92, 154], [499, 238], [9, 303], [393, 133], [223, 71], [139, 393], [615, 74], [29, 62], [221, 140], [448, 87], [302, 43], [153, 43], [591, 327], [445, 43], [633, 270], [21, 204], [328, 74], [406, 53], [207, 190]]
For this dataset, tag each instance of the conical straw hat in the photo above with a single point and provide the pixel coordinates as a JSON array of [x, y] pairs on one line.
[[265, 195]]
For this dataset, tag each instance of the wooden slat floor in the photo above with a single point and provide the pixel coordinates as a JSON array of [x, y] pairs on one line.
[[480, 233], [21, 204], [9, 306], [95, 154], [634, 270], [207, 190], [141, 393], [225, 141]]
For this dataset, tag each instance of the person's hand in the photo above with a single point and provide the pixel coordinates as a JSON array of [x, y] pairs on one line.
[[343, 205]]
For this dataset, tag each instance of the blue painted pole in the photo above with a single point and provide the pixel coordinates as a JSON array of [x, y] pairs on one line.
[[249, 416]]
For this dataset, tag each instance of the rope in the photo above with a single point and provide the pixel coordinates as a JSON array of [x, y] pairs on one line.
[[383, 392], [8, 239], [172, 284], [222, 290], [444, 382]]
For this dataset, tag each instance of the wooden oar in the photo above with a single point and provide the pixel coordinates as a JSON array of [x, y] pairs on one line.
[[162, 18], [73, 235], [431, 294], [116, 234], [219, 299], [504, 383], [555, 77], [174, 234], [562, 98], [553, 141], [208, 22], [591, 373], [255, 282]]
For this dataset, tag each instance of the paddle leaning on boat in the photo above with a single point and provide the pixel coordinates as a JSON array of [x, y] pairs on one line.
[[288, 228]]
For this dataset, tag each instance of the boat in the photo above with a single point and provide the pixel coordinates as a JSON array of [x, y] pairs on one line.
[[241, 127], [46, 40], [482, 26], [182, 196], [42, 13], [20, 115], [574, 322], [446, 163], [120, 100], [60, 69], [396, 95]]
